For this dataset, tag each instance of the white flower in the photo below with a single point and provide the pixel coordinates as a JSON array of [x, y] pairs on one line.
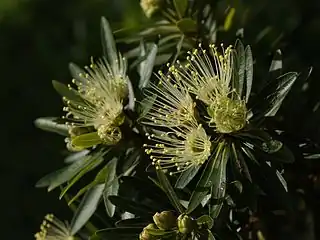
[[209, 77], [182, 147], [54, 229], [101, 91], [173, 105]]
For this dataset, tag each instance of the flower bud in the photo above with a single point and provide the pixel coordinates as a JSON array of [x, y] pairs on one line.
[[145, 235], [186, 224], [149, 7], [165, 220]]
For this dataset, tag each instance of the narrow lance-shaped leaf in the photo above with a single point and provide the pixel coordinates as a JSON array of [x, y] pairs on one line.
[[122, 233], [111, 186], [181, 7], [76, 156], [108, 43], [219, 183], [186, 176], [249, 71], [205, 182], [276, 65], [87, 208], [50, 124], [132, 206], [86, 140], [92, 163], [131, 98], [77, 73], [146, 66], [284, 84], [100, 178], [61, 176], [240, 64], [169, 190], [67, 92]]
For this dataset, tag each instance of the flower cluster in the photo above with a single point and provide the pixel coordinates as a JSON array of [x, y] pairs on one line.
[[54, 229], [100, 93], [180, 139]]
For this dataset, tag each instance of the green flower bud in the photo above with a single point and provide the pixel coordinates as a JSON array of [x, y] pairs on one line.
[[150, 6], [186, 224], [165, 220], [145, 235]]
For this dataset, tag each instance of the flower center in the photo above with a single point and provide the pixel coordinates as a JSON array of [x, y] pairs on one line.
[[228, 115]]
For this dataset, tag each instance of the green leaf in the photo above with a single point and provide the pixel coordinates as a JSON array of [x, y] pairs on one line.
[[100, 178], [73, 157], [249, 71], [187, 25], [186, 176], [210, 235], [131, 206], [64, 91], [93, 162], [205, 220], [145, 105], [86, 140], [229, 18], [87, 207], [50, 124], [146, 66], [63, 175], [77, 73], [137, 222], [284, 84], [122, 233], [284, 155], [276, 64], [131, 98], [219, 180], [240, 64], [108, 44], [168, 189], [205, 182], [111, 185], [181, 7]]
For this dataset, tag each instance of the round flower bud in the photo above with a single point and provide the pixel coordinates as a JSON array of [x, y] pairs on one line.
[[145, 235], [165, 220], [186, 224]]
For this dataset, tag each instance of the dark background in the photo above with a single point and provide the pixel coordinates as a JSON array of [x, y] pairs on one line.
[[38, 38]]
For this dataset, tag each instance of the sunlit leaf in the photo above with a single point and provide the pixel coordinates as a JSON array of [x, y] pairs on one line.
[[86, 140], [63, 175], [146, 66], [50, 124], [108, 43], [249, 71], [64, 91], [111, 185], [87, 207]]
